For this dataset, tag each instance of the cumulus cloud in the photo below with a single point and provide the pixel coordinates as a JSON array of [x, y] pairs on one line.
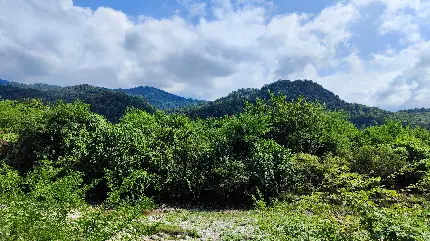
[[411, 88], [195, 8], [233, 44]]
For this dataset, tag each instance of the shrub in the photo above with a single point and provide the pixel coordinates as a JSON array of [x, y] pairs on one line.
[[62, 135], [382, 161], [306, 127]]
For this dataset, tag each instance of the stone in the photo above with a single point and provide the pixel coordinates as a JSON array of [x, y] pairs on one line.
[[155, 237]]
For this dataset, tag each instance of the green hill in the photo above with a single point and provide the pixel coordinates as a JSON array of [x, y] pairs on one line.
[[113, 103], [161, 99], [108, 103], [360, 115]]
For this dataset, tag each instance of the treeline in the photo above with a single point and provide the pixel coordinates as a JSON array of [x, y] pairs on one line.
[[108, 103], [140, 97], [113, 103], [274, 146], [360, 115]]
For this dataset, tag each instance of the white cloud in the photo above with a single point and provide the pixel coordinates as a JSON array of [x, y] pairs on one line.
[[400, 16], [195, 8], [241, 44], [411, 88]]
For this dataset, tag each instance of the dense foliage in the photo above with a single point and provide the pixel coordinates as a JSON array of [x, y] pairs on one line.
[[113, 105], [108, 103], [158, 98], [314, 174], [161, 99], [360, 115]]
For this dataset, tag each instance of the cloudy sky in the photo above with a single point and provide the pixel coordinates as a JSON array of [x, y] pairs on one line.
[[374, 52]]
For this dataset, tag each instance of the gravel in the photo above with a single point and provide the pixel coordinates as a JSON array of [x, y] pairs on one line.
[[209, 225]]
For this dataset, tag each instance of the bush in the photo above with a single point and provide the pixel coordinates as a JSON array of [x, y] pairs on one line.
[[62, 135], [270, 169], [379, 161], [39, 213], [48, 205], [306, 127]]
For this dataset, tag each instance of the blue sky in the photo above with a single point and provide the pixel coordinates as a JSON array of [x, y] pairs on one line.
[[374, 52], [154, 8], [165, 8], [367, 39]]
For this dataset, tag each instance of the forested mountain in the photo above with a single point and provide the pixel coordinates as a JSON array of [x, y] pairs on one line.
[[37, 86], [113, 103], [360, 115], [106, 102], [161, 99]]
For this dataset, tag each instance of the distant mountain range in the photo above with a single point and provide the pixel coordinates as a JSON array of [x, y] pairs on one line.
[[161, 99], [108, 103], [113, 103]]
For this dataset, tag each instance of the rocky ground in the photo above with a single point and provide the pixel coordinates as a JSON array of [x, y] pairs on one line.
[[183, 224]]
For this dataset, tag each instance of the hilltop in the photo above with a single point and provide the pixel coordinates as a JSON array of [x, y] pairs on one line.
[[360, 115]]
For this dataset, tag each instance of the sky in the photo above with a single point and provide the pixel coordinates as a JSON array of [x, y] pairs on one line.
[[373, 52]]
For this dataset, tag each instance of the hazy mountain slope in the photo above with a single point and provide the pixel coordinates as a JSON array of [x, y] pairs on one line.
[[161, 99], [37, 86]]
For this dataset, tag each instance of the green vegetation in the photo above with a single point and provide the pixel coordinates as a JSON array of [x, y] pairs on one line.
[[106, 102], [113, 103], [161, 99], [305, 172], [100, 99], [361, 115]]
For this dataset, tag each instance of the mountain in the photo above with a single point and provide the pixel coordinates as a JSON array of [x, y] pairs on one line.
[[229, 105], [37, 86], [108, 103], [360, 115], [113, 103], [234, 102], [161, 99], [420, 117]]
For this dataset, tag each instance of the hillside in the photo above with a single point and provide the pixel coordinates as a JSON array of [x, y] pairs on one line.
[[113, 103], [277, 171], [231, 104], [161, 99], [106, 102], [360, 115], [37, 86]]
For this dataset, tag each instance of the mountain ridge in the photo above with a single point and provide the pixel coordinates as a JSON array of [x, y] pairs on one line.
[[156, 97], [149, 99], [103, 101], [159, 98], [360, 115]]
